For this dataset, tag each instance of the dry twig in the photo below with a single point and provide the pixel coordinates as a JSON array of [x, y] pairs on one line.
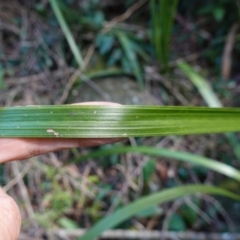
[[227, 54], [124, 16]]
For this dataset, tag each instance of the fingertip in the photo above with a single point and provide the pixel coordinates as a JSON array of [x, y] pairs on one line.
[[10, 217]]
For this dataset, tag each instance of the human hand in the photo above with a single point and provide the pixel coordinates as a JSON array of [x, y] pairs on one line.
[[19, 149]]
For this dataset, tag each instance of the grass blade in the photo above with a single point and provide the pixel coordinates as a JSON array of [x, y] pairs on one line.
[[72, 121], [162, 13], [155, 27], [72, 43], [131, 56], [201, 84], [161, 152], [107, 73], [210, 98], [145, 202]]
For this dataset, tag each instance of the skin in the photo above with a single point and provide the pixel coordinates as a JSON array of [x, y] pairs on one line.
[[20, 149]]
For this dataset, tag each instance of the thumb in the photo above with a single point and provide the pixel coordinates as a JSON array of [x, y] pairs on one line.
[[10, 218]]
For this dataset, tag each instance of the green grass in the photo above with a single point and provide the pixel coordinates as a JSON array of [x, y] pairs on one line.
[[67, 32], [133, 208], [177, 155], [144, 203], [210, 98], [162, 12]]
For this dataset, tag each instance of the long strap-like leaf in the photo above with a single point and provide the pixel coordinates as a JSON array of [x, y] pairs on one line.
[[162, 152], [71, 121], [143, 203]]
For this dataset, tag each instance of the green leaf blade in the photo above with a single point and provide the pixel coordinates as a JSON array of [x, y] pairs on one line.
[[161, 152], [210, 98], [68, 34], [145, 202], [69, 121], [131, 56]]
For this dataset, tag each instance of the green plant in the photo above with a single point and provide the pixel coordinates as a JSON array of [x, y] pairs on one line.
[[210, 98], [68, 34], [182, 156], [219, 9], [130, 54], [65, 121], [118, 46], [150, 201], [124, 49], [162, 12], [146, 202], [55, 201], [128, 51]]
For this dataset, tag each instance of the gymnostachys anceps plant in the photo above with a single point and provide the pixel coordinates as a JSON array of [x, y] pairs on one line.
[[69, 121]]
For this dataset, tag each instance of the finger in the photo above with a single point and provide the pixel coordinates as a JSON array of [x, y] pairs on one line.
[[23, 148], [20, 148], [10, 218]]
